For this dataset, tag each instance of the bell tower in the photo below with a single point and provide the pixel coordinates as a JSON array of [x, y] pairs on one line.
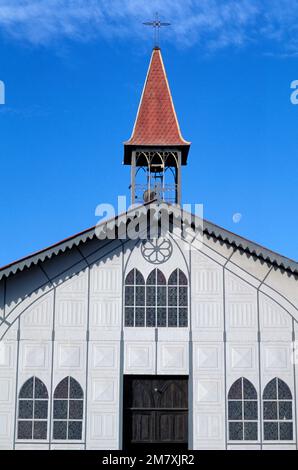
[[156, 150]]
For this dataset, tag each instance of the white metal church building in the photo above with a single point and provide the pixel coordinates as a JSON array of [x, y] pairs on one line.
[[112, 343]]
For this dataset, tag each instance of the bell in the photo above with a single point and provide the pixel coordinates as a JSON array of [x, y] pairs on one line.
[[149, 195]]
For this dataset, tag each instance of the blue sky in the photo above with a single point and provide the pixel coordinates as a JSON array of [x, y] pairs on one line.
[[74, 72]]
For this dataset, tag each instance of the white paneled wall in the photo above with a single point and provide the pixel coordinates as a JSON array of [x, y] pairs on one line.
[[72, 324], [8, 353], [207, 309]]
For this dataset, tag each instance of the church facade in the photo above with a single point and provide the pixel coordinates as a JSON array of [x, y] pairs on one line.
[[184, 339]]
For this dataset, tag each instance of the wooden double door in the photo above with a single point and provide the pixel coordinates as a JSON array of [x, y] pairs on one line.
[[155, 411]]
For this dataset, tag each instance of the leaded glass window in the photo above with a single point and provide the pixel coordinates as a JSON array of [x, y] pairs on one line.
[[277, 411], [134, 299], [156, 303], [33, 410], [178, 299], [243, 411], [68, 408], [156, 299]]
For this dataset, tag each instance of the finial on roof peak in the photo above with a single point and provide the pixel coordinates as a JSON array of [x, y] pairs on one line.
[[156, 24]]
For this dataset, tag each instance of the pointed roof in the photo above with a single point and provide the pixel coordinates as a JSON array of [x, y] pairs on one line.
[[156, 123]]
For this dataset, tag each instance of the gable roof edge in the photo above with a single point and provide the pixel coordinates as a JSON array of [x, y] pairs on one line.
[[209, 229]]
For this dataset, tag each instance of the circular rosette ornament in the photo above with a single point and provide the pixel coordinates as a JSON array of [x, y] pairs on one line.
[[157, 251]]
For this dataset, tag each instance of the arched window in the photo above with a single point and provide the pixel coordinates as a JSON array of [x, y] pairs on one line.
[[243, 411], [177, 299], [158, 303], [134, 299], [68, 410], [33, 410], [277, 411], [156, 299]]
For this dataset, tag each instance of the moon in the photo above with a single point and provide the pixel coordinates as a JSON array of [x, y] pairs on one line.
[[237, 217]]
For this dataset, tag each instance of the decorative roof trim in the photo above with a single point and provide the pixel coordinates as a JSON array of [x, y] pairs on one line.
[[209, 229]]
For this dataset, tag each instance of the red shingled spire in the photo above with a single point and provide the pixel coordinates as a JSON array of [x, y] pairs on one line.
[[156, 122]]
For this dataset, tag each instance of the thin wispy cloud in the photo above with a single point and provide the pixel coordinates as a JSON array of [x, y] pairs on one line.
[[212, 24]]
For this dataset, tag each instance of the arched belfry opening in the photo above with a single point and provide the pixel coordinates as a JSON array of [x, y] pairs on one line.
[[156, 150]]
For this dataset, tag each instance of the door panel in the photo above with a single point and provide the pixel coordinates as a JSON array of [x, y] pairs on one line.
[[172, 427], [173, 394], [142, 426]]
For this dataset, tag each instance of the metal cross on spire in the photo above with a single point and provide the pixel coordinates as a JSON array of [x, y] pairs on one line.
[[156, 24]]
